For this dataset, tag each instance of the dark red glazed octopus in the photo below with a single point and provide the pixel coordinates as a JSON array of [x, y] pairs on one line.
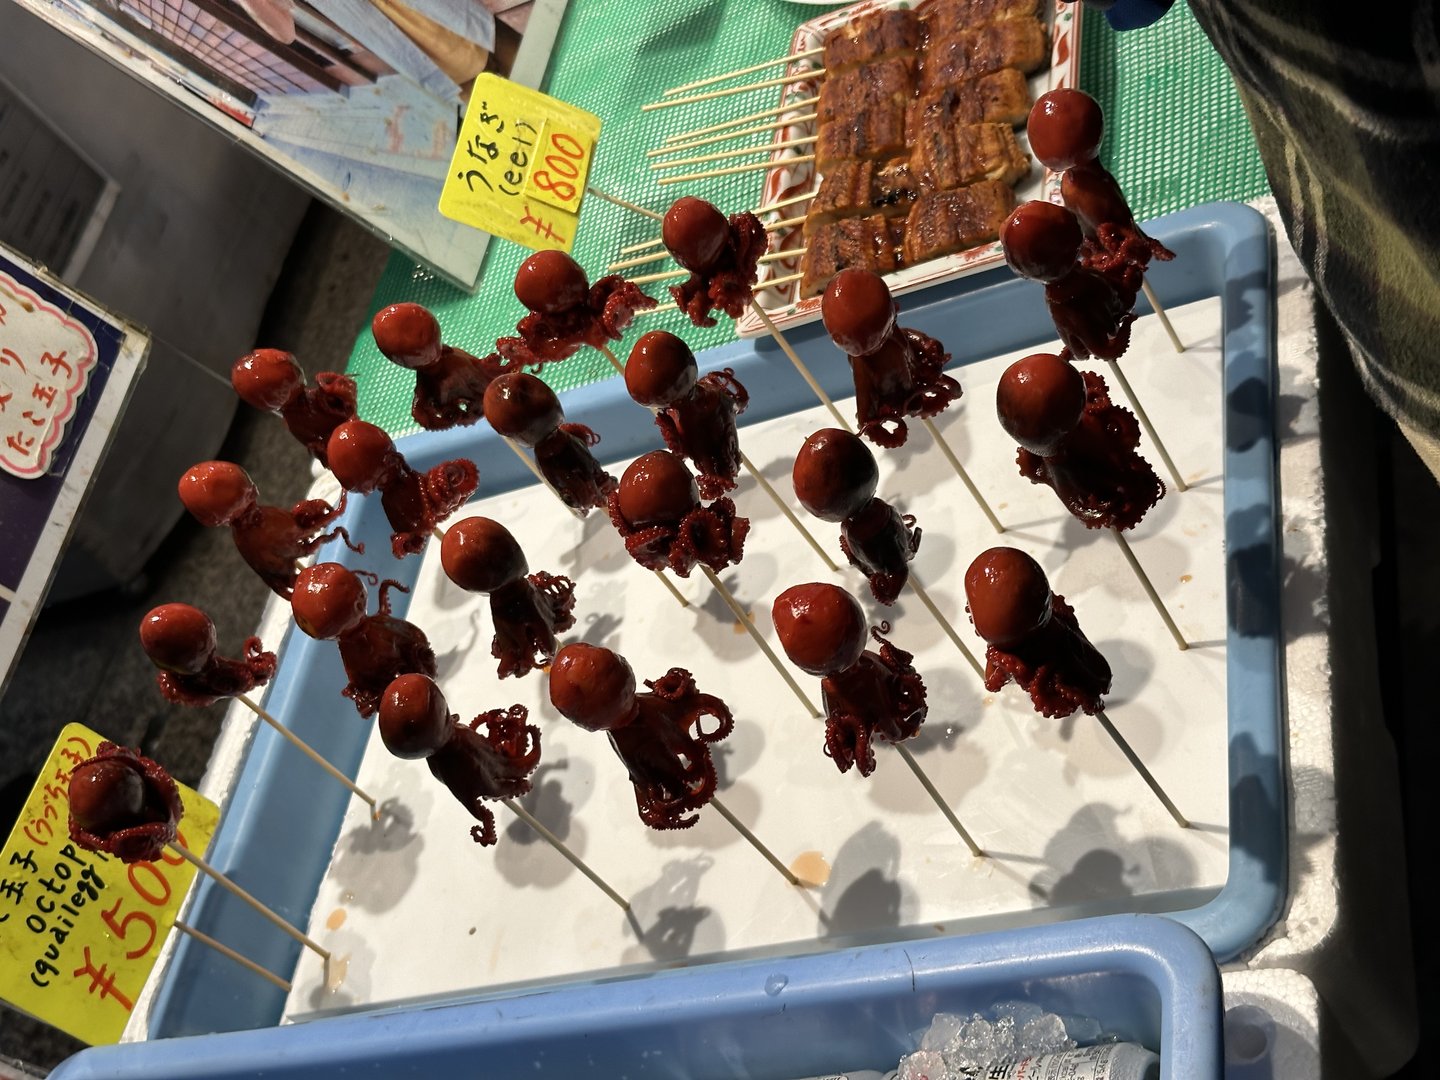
[[566, 311], [1065, 127], [268, 538], [720, 255], [521, 407], [364, 459], [868, 696], [1092, 312], [657, 510], [898, 372], [449, 382], [180, 641], [1032, 635], [496, 763], [659, 735], [835, 478], [271, 380], [123, 804], [480, 555], [695, 414], [1075, 441], [329, 604]]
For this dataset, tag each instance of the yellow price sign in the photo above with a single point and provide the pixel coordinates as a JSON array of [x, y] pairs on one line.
[[520, 165], [80, 930]]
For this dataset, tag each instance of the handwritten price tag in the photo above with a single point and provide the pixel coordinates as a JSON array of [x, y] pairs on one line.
[[520, 165], [80, 931]]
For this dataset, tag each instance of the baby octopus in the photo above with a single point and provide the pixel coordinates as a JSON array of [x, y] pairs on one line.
[[695, 413], [364, 459], [180, 641], [657, 511], [268, 538], [482, 556], [657, 735], [329, 604], [476, 765], [835, 478], [1092, 313], [898, 372], [1075, 441], [868, 695], [1033, 636], [721, 257], [449, 382], [123, 804], [566, 311], [271, 381], [521, 407]]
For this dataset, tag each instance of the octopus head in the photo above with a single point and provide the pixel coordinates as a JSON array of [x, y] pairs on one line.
[[1008, 595], [593, 687], [835, 474], [821, 627], [328, 600], [217, 492], [178, 638], [266, 378], [415, 720], [521, 407], [661, 370], [481, 555], [407, 334]]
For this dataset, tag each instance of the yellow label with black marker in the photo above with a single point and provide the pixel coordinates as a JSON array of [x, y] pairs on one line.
[[79, 930], [520, 165]]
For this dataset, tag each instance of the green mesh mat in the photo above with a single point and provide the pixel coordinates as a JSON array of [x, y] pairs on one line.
[[1165, 93]]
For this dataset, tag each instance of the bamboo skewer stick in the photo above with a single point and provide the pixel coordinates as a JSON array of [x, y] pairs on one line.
[[740, 613], [638, 260], [782, 203], [745, 71], [560, 846], [776, 282], [1140, 415], [766, 487], [667, 275], [731, 170], [729, 91], [1144, 580], [780, 110], [919, 590], [785, 223], [721, 155], [643, 245], [960, 472], [934, 793], [1139, 767], [230, 887], [622, 202], [225, 950], [1160, 311], [310, 752], [754, 842], [725, 136], [799, 364]]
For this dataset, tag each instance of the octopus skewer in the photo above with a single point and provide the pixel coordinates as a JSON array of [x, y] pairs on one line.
[[1073, 440], [898, 372], [1034, 639], [493, 765], [270, 380], [721, 256], [869, 696], [1066, 126], [180, 641], [696, 415], [1042, 242], [658, 735], [124, 804]]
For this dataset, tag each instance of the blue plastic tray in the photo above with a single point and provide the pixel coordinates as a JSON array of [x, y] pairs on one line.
[[280, 827], [1143, 977]]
